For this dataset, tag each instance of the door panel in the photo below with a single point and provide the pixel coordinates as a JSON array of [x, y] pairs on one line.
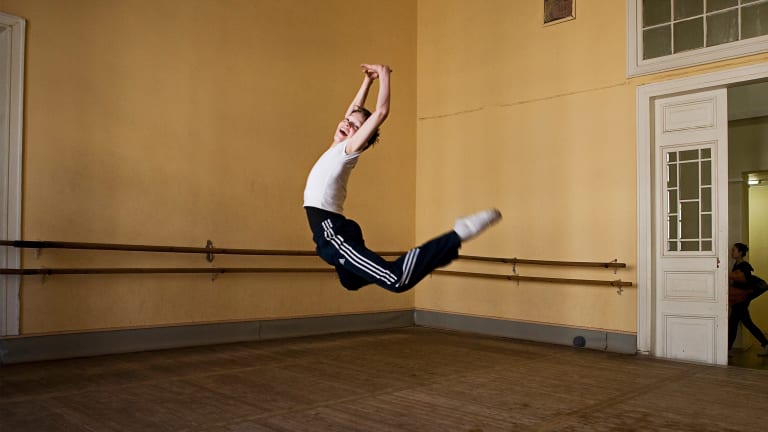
[[684, 286], [690, 231], [688, 116], [691, 337]]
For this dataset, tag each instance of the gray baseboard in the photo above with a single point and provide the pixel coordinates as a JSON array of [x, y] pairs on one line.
[[61, 346], [593, 339]]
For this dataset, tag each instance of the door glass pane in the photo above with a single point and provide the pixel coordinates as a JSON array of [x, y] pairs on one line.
[[689, 181], [723, 27], [688, 8], [706, 226], [689, 34], [672, 175], [672, 201], [656, 12], [672, 227], [689, 246], [689, 220], [706, 173], [706, 199], [657, 42], [754, 20], [689, 199], [716, 5], [689, 155]]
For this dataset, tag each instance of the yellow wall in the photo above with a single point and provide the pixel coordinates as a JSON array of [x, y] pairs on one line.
[[172, 122], [540, 122], [758, 249]]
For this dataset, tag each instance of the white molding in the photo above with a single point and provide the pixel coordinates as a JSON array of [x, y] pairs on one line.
[[636, 66], [645, 96], [10, 257], [644, 216]]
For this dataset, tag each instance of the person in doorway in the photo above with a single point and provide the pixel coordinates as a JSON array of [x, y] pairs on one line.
[[739, 283], [340, 240]]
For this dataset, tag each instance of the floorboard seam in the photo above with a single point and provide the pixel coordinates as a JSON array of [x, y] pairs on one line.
[[429, 383]]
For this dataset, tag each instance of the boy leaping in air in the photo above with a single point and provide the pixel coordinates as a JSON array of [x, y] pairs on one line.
[[340, 240]]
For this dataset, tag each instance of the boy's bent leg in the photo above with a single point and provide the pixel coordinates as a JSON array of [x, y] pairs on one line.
[[352, 256], [349, 280], [398, 276], [343, 247]]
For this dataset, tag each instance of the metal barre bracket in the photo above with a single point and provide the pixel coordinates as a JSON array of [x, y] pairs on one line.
[[209, 256], [620, 286]]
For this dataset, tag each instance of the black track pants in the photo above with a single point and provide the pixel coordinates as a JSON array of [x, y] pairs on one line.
[[340, 243]]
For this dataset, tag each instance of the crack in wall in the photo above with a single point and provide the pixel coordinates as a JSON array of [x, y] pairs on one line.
[[522, 102]]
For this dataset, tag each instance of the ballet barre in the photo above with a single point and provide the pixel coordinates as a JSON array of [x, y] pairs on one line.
[[156, 270], [618, 283], [209, 250]]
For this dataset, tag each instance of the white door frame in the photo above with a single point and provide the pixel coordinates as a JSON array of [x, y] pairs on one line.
[[13, 29], [646, 94]]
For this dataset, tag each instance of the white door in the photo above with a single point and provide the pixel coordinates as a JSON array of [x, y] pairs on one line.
[[691, 227]]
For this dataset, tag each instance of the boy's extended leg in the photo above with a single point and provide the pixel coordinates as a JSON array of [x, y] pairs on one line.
[[422, 260], [341, 244]]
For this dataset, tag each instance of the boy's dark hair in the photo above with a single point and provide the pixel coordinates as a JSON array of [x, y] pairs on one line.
[[375, 135], [742, 248]]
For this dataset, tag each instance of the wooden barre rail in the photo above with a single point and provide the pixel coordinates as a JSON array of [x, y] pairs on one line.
[[611, 264], [221, 270], [40, 244], [616, 283], [34, 244], [147, 270]]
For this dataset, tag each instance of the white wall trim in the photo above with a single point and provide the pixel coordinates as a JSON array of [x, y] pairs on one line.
[[645, 97], [637, 66], [11, 229]]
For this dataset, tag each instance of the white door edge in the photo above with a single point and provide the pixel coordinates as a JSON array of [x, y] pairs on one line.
[[11, 228], [645, 96]]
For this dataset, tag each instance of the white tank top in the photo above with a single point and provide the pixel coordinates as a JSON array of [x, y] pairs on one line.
[[327, 182]]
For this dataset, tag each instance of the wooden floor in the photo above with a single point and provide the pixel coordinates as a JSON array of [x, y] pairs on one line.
[[411, 379]]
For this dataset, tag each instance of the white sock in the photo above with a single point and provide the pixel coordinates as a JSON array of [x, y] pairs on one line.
[[470, 226]]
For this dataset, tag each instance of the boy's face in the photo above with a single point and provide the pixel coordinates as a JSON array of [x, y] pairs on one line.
[[348, 127]]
